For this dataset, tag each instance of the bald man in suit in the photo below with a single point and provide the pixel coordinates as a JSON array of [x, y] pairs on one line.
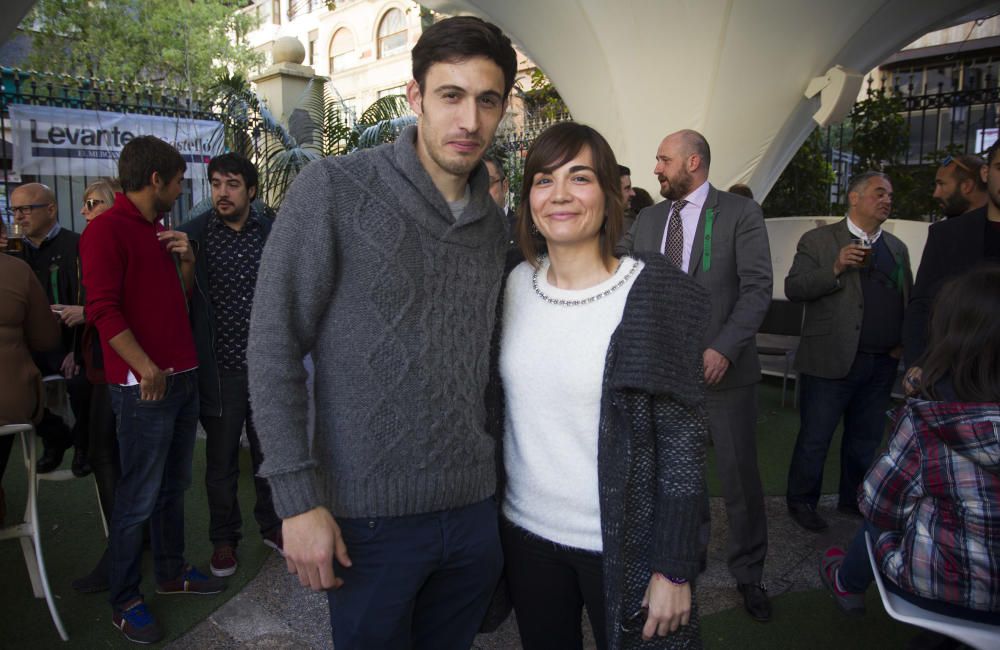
[[721, 241]]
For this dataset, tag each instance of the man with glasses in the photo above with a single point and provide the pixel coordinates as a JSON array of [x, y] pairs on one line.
[[953, 247], [52, 252], [959, 186]]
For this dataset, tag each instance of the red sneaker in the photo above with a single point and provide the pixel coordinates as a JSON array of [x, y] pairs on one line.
[[223, 562]]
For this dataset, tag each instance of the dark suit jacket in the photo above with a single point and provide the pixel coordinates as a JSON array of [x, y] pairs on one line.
[[831, 328], [738, 280], [953, 247]]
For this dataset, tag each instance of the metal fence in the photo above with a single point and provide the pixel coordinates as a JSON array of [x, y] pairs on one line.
[[956, 121], [40, 89]]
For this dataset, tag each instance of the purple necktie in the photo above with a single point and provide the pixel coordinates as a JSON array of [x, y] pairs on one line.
[[675, 235]]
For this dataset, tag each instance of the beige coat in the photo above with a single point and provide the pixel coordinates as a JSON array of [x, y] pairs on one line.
[[26, 325]]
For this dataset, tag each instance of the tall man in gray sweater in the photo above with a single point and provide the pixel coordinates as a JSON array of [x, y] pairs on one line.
[[385, 266]]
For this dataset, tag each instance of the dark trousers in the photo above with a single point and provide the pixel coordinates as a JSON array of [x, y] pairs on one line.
[[862, 398], [156, 444], [102, 450], [52, 430], [222, 469], [856, 576], [549, 585], [419, 581], [732, 419]]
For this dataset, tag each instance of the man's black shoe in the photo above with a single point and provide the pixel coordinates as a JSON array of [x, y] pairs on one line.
[[806, 516], [755, 601], [97, 580], [51, 460], [81, 465]]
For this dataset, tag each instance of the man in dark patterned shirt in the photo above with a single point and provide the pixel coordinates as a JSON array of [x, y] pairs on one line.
[[229, 240]]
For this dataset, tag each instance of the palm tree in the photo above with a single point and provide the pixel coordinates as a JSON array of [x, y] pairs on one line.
[[320, 125]]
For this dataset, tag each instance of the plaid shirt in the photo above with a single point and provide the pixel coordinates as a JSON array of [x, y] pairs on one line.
[[936, 491]]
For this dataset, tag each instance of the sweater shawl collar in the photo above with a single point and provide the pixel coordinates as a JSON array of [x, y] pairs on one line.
[[417, 193], [660, 336]]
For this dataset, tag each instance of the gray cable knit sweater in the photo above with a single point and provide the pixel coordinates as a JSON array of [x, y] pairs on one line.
[[367, 270]]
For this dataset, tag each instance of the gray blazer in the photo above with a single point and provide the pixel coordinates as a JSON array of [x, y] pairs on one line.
[[831, 326], [738, 278]]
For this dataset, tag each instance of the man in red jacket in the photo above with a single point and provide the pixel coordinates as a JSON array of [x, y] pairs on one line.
[[137, 277]]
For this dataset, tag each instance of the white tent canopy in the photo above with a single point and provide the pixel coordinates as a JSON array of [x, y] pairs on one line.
[[735, 70]]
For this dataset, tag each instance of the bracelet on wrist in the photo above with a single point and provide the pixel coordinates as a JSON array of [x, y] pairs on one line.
[[671, 579]]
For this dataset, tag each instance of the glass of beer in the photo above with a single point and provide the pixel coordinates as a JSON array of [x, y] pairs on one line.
[[15, 239], [866, 251]]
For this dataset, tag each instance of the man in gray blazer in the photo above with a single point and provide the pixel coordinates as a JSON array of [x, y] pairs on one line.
[[855, 279], [720, 239]]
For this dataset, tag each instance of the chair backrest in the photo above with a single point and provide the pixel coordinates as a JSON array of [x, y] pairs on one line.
[[783, 317], [977, 635]]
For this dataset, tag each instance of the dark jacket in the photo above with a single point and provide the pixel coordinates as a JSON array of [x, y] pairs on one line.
[[203, 315], [831, 327], [651, 437], [735, 268], [953, 247], [56, 264]]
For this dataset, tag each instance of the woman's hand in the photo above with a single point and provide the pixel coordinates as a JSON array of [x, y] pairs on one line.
[[669, 606]]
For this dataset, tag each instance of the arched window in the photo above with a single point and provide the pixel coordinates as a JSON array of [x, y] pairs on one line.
[[342, 53], [392, 33]]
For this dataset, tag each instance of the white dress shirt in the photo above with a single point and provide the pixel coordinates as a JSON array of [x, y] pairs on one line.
[[689, 218]]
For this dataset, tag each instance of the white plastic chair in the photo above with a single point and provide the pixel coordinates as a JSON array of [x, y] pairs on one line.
[[56, 387], [27, 532], [981, 636]]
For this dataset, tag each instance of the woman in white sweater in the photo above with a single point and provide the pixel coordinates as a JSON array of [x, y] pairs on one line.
[[603, 418]]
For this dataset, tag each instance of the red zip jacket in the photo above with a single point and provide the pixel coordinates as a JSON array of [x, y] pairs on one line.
[[132, 282]]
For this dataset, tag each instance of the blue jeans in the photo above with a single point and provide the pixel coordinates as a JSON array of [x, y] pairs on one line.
[[156, 445], [417, 581], [862, 398], [856, 576]]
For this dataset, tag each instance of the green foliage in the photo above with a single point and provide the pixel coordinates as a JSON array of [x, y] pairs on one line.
[[543, 100], [181, 43], [318, 127], [803, 189], [880, 135]]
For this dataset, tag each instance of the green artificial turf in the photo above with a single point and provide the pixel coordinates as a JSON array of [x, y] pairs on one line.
[[72, 542], [806, 619], [777, 427]]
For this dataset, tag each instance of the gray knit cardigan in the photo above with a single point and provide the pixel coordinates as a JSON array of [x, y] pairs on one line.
[[651, 445]]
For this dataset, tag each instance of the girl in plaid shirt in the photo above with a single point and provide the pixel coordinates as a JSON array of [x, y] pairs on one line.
[[931, 501]]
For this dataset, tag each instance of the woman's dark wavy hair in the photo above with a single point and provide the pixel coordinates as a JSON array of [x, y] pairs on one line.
[[555, 147], [964, 341]]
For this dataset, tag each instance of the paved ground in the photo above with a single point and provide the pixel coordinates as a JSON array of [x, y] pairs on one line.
[[273, 611]]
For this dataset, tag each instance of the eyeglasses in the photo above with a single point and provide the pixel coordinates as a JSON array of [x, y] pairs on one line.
[[26, 209], [91, 203], [952, 159]]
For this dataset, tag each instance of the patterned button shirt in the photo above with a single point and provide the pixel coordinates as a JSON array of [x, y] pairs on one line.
[[936, 494], [233, 258]]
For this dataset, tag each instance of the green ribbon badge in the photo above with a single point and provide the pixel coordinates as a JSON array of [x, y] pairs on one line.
[[706, 251]]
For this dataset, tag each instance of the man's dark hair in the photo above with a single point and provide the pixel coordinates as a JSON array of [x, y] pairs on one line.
[[741, 189], [966, 167], [624, 171], [494, 156], [860, 182], [992, 152], [463, 37], [142, 156], [237, 165]]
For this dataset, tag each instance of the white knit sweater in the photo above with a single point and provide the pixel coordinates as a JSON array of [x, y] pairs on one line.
[[552, 365]]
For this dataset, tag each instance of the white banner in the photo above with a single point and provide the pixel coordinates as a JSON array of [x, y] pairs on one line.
[[76, 142]]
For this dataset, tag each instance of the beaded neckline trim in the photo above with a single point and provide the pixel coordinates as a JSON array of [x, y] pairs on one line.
[[583, 301]]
